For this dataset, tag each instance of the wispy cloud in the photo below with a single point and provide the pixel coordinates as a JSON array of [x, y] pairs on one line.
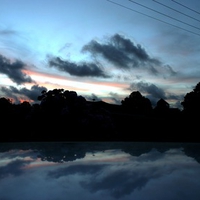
[[6, 32], [16, 43]]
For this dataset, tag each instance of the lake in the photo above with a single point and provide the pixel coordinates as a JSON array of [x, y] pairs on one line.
[[99, 170]]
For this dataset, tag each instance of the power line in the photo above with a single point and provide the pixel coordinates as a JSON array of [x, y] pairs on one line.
[[163, 14], [186, 7], [152, 17], [176, 10]]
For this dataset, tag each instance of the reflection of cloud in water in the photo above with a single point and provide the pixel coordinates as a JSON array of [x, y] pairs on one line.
[[122, 178], [14, 168], [125, 178], [107, 156], [118, 183], [37, 163], [103, 173], [16, 153], [76, 169]]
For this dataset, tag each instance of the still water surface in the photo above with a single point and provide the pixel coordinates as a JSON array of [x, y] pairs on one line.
[[106, 170]]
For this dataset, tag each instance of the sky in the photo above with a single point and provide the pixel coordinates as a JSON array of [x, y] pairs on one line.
[[102, 49]]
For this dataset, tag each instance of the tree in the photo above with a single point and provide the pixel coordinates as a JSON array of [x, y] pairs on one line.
[[191, 102], [162, 105], [136, 103], [161, 108], [6, 108]]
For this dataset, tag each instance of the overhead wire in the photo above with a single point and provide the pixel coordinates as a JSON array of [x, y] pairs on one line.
[[176, 10], [186, 7], [163, 14], [128, 8]]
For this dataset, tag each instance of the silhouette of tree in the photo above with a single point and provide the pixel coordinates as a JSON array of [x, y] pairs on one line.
[[62, 110], [162, 108], [191, 102], [52, 101], [23, 109], [6, 108], [70, 116], [137, 104], [5, 104], [162, 105]]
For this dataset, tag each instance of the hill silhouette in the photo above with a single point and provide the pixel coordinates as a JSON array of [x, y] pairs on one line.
[[63, 115]]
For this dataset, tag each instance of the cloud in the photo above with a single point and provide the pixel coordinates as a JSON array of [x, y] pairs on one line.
[[9, 154], [154, 93], [16, 44], [13, 168], [122, 187], [108, 51], [16, 94], [80, 69], [93, 97], [14, 70], [121, 52], [6, 32], [146, 168], [76, 169], [124, 54], [179, 43], [115, 98], [116, 182], [151, 89]]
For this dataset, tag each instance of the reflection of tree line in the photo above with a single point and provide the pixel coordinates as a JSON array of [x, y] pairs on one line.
[[63, 115], [65, 152]]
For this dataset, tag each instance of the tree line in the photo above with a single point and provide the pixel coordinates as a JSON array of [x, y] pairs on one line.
[[63, 115]]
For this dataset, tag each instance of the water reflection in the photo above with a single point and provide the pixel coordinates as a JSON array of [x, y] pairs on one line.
[[49, 171]]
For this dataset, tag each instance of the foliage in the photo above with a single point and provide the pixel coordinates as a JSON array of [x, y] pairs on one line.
[[191, 102], [136, 103]]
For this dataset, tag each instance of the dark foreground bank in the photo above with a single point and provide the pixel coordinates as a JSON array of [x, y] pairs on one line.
[[113, 127]]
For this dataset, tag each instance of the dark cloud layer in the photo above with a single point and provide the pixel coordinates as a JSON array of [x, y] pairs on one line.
[[121, 52], [151, 89], [14, 168], [14, 93], [14, 70], [82, 69], [124, 54], [154, 93]]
